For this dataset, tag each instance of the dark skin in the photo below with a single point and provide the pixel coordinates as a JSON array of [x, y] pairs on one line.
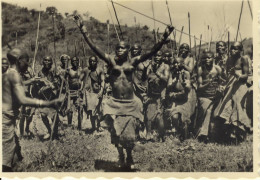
[[74, 75], [237, 63], [5, 65], [208, 72], [161, 70], [188, 62], [14, 94], [122, 67], [75, 83], [93, 68], [176, 80]]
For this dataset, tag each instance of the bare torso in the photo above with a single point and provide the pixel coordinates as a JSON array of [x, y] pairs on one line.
[[9, 101], [121, 81], [74, 79]]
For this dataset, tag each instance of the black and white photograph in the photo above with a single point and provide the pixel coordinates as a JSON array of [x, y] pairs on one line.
[[127, 86]]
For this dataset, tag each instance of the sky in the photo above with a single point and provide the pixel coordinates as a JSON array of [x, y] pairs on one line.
[[215, 14]]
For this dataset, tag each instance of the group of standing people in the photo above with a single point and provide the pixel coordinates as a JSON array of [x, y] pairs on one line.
[[161, 92]]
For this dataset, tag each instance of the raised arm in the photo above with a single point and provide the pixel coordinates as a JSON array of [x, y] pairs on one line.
[[85, 34], [155, 48]]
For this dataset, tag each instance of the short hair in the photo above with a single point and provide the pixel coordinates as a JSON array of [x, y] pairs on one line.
[[75, 58], [64, 56], [16, 54], [206, 54], [221, 42], [93, 57], [185, 45], [48, 57], [237, 44], [125, 44]]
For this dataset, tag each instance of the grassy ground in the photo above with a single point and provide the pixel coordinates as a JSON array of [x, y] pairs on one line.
[[84, 152]]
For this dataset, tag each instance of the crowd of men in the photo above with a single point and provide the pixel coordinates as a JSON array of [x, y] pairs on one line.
[[159, 92]]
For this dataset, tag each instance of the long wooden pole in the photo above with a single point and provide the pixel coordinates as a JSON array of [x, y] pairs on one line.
[[154, 27], [189, 29], [181, 35], [171, 25], [238, 26], [113, 23], [250, 9], [54, 43], [117, 20], [228, 49], [108, 39], [36, 42], [210, 40]]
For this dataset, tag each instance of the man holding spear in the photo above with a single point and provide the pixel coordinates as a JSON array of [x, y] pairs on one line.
[[123, 108]]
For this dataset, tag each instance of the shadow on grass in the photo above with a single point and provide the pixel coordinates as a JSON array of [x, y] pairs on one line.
[[110, 166]]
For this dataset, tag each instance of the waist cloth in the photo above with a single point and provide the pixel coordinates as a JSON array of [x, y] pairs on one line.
[[11, 151], [124, 115], [185, 107], [231, 107]]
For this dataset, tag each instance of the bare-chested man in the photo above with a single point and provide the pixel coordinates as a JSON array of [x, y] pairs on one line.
[[123, 108], [75, 88], [221, 59], [48, 91], [230, 110], [5, 65], [158, 74], [208, 83], [13, 96], [184, 52], [94, 85], [140, 74], [179, 106]]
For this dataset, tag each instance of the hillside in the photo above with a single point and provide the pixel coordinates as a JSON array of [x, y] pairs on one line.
[[22, 22]]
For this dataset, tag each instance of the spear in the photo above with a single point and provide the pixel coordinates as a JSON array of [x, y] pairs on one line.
[[83, 49], [36, 42], [56, 114], [16, 36], [195, 53], [75, 48], [181, 35], [117, 20], [239, 18], [67, 47], [198, 62], [108, 36], [228, 44], [250, 9], [210, 40], [155, 36], [199, 54], [113, 23], [55, 65], [171, 24], [189, 28]]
